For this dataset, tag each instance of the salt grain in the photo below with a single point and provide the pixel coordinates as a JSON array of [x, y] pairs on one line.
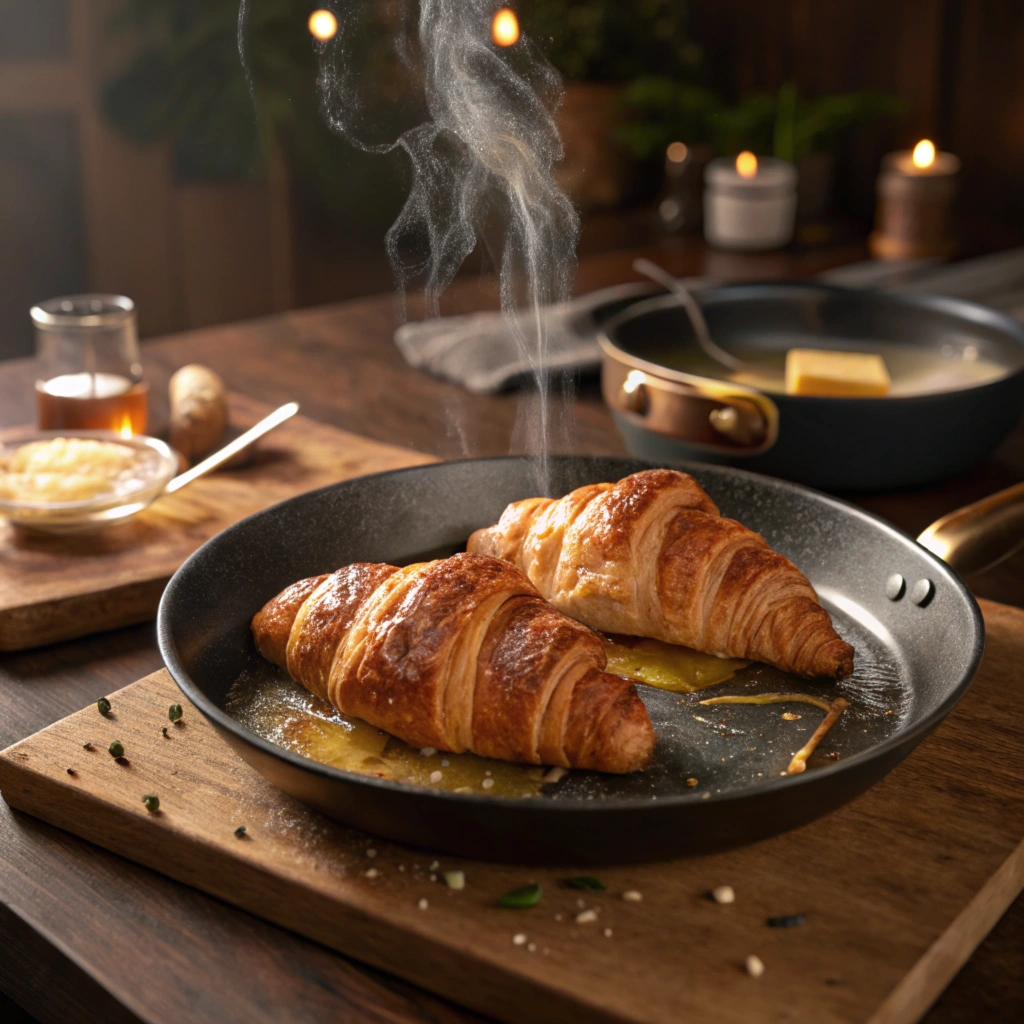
[[755, 966], [519, 939], [632, 896], [723, 894]]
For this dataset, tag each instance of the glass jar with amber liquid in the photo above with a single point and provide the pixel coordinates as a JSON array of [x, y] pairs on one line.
[[90, 374]]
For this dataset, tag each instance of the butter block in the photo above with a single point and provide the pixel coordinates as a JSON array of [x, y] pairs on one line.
[[811, 371]]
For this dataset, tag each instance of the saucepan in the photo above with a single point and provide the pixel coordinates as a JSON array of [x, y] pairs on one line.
[[957, 371], [916, 628]]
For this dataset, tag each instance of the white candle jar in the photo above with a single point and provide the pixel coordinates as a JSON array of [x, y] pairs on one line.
[[753, 211]]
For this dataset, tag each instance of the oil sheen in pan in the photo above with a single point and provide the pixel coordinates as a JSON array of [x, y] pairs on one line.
[[724, 747]]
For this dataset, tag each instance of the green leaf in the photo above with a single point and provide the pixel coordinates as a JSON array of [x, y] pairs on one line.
[[586, 882], [528, 896]]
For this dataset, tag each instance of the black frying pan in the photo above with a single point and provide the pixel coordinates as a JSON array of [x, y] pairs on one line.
[[916, 655], [841, 444]]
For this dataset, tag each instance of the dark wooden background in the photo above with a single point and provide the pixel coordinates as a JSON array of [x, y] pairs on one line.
[[956, 64]]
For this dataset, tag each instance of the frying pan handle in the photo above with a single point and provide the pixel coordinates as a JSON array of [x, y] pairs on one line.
[[981, 535]]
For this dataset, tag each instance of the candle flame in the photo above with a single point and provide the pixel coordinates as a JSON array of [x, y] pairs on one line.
[[323, 25], [924, 154], [125, 429], [746, 164], [505, 27], [676, 152]]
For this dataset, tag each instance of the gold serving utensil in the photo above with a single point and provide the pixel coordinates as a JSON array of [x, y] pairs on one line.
[[207, 465], [981, 535]]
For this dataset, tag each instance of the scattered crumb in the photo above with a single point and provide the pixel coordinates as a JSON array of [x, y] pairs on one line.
[[519, 939], [691, 782], [455, 879], [428, 751], [436, 777], [586, 917], [790, 717], [607, 933], [723, 894], [632, 896], [488, 783], [371, 853], [371, 872], [554, 774], [423, 903], [755, 966]]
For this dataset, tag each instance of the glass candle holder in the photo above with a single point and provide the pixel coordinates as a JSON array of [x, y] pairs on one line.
[[90, 374]]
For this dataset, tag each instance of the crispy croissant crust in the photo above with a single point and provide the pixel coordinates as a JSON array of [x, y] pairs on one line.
[[653, 556], [459, 654]]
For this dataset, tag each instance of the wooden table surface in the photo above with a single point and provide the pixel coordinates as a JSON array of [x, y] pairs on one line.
[[193, 958]]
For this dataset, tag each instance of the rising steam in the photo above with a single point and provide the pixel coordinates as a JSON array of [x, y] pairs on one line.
[[481, 141]]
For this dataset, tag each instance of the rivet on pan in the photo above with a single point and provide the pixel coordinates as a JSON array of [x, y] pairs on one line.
[[634, 393], [921, 592], [895, 587]]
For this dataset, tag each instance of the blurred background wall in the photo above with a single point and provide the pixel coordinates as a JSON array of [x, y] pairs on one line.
[[130, 161]]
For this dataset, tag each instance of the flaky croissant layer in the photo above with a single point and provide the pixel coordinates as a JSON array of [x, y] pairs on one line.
[[458, 654], [652, 556]]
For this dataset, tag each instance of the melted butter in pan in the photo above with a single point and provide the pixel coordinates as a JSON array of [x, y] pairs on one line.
[[667, 666], [283, 712]]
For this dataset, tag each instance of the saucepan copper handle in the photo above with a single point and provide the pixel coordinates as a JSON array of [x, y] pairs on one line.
[[981, 535], [715, 415]]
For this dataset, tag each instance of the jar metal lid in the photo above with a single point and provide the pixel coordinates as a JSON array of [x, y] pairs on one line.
[[71, 311]]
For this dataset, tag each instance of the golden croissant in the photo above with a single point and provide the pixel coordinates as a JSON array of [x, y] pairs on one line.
[[458, 654], [652, 556]]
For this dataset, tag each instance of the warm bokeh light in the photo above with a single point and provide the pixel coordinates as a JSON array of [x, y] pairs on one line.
[[746, 164], [126, 426], [924, 154], [505, 27], [676, 152], [323, 25]]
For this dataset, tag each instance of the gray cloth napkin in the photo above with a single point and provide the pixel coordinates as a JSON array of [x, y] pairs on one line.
[[480, 352]]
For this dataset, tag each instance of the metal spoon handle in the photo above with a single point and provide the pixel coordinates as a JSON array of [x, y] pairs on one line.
[[693, 310], [218, 458]]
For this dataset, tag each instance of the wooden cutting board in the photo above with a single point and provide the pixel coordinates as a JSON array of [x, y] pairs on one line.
[[898, 888], [58, 588]]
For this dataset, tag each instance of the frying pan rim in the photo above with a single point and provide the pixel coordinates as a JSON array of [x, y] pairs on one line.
[[951, 305], [889, 745]]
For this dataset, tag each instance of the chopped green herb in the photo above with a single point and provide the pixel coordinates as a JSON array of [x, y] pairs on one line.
[[152, 803], [586, 882], [240, 831], [528, 896], [116, 749], [103, 706], [174, 712]]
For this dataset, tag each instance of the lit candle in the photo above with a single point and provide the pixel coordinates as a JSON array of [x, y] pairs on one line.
[[915, 192], [749, 204]]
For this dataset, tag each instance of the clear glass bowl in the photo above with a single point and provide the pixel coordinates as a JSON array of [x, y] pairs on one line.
[[155, 466]]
